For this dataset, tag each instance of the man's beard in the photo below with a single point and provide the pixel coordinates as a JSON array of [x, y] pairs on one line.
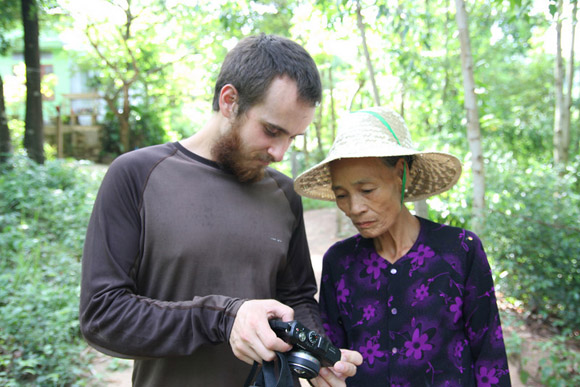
[[228, 152]]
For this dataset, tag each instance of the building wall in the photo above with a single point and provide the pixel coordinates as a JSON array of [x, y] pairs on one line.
[[80, 137], [59, 63]]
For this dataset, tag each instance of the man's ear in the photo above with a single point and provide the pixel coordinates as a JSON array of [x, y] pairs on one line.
[[228, 101]]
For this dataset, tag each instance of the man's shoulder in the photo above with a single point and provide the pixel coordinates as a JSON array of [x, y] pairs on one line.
[[284, 182], [142, 155], [276, 174], [137, 164], [142, 158]]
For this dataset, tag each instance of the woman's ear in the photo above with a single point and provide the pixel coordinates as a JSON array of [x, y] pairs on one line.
[[401, 167], [228, 101]]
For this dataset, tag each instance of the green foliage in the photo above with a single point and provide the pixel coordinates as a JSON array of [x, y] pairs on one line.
[[535, 233], [560, 365], [9, 17], [314, 204], [44, 212], [146, 129], [555, 362]]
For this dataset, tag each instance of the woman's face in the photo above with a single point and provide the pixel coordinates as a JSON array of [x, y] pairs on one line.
[[368, 192]]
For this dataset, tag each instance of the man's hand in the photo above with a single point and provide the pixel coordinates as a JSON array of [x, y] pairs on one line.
[[336, 375], [251, 338]]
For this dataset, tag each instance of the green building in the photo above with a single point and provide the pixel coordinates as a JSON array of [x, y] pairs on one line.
[[65, 89]]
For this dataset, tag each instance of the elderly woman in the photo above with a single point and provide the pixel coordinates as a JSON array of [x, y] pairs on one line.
[[416, 298]]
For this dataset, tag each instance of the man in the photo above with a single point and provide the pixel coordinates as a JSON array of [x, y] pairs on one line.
[[193, 246]]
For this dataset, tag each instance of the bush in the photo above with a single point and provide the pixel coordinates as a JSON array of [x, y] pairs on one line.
[[146, 128], [551, 361], [44, 211], [535, 236]]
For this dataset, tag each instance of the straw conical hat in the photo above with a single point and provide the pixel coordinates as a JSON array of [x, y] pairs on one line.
[[381, 132]]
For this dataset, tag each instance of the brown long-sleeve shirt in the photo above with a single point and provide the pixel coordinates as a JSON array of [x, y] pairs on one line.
[[173, 247]]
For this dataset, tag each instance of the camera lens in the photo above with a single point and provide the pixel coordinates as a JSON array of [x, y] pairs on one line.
[[303, 364]]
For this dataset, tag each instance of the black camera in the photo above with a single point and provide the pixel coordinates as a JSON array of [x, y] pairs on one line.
[[310, 350]]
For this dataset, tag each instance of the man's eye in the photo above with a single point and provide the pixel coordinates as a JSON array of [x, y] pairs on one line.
[[271, 131]]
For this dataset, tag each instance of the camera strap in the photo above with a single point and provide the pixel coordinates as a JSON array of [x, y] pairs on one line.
[[272, 374]]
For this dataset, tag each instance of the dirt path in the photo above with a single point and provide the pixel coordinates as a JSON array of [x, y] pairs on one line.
[[321, 229]]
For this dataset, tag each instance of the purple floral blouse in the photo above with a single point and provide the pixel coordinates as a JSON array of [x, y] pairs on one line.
[[429, 319]]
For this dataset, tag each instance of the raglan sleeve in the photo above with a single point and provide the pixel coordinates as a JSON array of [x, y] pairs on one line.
[[114, 317], [296, 284], [482, 320]]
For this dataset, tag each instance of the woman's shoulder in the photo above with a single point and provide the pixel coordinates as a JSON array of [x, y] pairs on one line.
[[348, 245], [440, 233], [443, 229]]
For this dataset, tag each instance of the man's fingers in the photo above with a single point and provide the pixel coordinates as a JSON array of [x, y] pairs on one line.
[[271, 341], [249, 347], [251, 338]]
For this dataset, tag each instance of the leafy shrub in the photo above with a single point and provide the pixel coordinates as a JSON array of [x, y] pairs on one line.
[[555, 361], [44, 212], [559, 367], [535, 236], [146, 128]]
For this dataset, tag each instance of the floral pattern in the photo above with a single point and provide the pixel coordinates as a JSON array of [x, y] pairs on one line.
[[417, 345], [429, 319]]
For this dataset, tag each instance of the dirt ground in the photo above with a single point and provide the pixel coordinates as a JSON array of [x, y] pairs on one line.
[[322, 231]]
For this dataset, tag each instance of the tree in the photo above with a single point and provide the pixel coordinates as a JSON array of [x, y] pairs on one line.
[[7, 22], [126, 70], [470, 103], [361, 27], [33, 134], [563, 91], [5, 143]]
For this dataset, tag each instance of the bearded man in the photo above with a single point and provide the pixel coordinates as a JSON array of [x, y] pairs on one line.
[[194, 245]]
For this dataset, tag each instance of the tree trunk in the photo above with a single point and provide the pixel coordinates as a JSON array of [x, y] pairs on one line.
[[447, 67], [560, 110], [332, 108], [122, 119], [125, 128], [473, 129], [352, 98], [421, 207], [361, 28], [318, 130], [5, 144], [33, 133], [568, 92]]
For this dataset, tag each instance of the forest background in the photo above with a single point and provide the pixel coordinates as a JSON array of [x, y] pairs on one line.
[[491, 81]]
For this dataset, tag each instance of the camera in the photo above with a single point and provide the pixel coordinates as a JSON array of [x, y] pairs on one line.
[[310, 349]]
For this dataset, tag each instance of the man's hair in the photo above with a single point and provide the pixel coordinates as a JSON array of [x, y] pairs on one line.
[[256, 61]]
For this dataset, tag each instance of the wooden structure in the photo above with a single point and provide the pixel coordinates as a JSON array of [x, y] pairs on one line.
[[77, 133]]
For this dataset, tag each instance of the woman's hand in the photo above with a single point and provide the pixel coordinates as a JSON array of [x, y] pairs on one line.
[[336, 375]]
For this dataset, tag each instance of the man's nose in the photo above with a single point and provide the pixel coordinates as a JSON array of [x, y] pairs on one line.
[[278, 149]]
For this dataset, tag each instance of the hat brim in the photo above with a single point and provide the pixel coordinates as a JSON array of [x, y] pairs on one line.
[[432, 173]]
